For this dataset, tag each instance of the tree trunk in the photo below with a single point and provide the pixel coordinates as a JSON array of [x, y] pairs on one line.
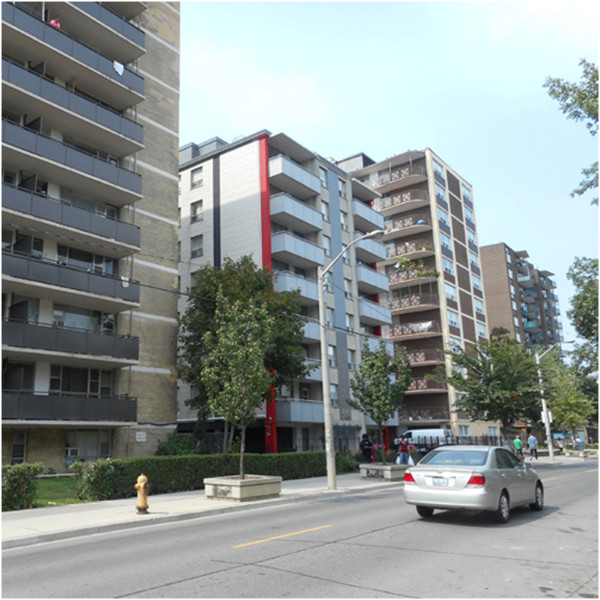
[[225, 437], [242, 453], [381, 443]]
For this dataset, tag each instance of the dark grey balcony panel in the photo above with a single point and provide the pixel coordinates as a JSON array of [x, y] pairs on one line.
[[42, 271], [61, 41], [115, 22], [69, 100], [57, 151], [64, 407], [59, 339]]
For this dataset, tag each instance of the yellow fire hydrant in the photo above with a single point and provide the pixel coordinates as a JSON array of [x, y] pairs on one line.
[[142, 495]]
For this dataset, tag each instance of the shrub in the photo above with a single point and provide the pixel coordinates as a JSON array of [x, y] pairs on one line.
[[176, 445], [19, 485]]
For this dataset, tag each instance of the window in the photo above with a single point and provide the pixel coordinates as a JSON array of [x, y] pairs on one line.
[[482, 330], [453, 318], [323, 176], [448, 265], [347, 288], [471, 237], [349, 320], [196, 178], [197, 246], [479, 306], [512, 291], [327, 244], [325, 210], [511, 273], [474, 259], [514, 307], [179, 184], [492, 431], [466, 194], [344, 217], [342, 188], [331, 355], [469, 215], [330, 320], [445, 240], [19, 446], [443, 217], [450, 292], [464, 430], [329, 281], [439, 172], [196, 211], [351, 360], [476, 282], [333, 393], [440, 193], [455, 344]]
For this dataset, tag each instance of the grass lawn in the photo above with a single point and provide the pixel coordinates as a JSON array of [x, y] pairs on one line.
[[53, 491]]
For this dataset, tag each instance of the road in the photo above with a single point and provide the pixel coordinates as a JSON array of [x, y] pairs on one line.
[[358, 545]]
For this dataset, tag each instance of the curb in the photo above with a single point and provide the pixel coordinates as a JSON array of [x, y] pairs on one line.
[[195, 514]]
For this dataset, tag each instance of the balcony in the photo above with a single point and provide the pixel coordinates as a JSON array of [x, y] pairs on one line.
[[67, 58], [401, 177], [315, 374], [531, 326], [433, 415], [295, 215], [296, 410], [421, 329], [56, 219], [294, 250], [29, 406], [366, 218], [425, 357], [290, 177], [525, 281], [407, 226], [529, 296], [285, 281], [312, 331], [372, 313], [27, 92], [414, 249], [368, 251], [23, 275], [39, 339], [402, 201], [400, 279], [414, 303], [56, 161], [423, 386], [371, 281]]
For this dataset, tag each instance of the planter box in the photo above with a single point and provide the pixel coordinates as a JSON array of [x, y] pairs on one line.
[[253, 487], [388, 472]]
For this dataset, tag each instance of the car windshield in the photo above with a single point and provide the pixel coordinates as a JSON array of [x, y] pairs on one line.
[[468, 458]]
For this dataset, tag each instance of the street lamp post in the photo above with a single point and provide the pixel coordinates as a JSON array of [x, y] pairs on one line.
[[329, 446], [545, 414]]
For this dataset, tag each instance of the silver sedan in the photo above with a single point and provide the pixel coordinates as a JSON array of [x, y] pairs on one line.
[[472, 478]]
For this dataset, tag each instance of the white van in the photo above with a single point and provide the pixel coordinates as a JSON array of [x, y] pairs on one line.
[[425, 439]]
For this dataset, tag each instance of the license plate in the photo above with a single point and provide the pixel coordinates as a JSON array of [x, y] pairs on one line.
[[439, 481]]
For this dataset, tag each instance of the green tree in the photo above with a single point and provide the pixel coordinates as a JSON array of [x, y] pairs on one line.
[[234, 374], [579, 101], [239, 280], [379, 385], [496, 380]]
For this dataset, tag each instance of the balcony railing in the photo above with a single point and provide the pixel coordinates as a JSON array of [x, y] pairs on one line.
[[401, 198], [401, 173], [21, 334], [402, 224], [44, 271], [293, 249], [413, 329], [419, 385], [420, 247], [426, 355], [41, 206], [60, 406], [412, 274], [413, 301], [286, 281]]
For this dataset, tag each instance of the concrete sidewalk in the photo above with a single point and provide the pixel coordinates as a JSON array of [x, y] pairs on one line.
[[32, 526]]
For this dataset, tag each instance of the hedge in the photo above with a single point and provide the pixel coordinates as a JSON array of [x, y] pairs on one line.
[[115, 478], [19, 485]]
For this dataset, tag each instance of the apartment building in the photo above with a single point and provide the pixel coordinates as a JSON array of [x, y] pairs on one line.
[[268, 196], [434, 268], [89, 229], [520, 298]]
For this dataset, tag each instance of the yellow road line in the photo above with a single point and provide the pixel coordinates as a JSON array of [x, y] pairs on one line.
[[278, 537], [549, 478]]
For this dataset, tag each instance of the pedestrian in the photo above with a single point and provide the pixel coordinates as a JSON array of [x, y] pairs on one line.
[[365, 449], [561, 446], [403, 451], [518, 445], [55, 22], [533, 446]]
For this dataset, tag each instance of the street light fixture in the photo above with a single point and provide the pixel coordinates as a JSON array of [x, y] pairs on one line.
[[329, 446], [545, 415]]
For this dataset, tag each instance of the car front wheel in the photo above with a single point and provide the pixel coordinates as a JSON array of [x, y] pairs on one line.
[[424, 511], [502, 514], [539, 498]]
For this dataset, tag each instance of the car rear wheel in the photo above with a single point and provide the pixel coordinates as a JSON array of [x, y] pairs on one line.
[[424, 511], [539, 498], [502, 514]]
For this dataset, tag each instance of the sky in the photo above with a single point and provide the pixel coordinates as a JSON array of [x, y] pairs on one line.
[[462, 78]]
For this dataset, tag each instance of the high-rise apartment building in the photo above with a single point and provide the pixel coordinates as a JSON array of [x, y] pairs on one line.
[[290, 209], [89, 228], [433, 265], [520, 298]]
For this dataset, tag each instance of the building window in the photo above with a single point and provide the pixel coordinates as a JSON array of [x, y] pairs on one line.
[[342, 188], [19, 446], [331, 355], [453, 318], [479, 306], [476, 282], [196, 211], [469, 215], [482, 331], [325, 210], [323, 176], [329, 281], [347, 288], [196, 178], [471, 237], [197, 246], [333, 393], [330, 319], [450, 292], [349, 319], [445, 240], [351, 360], [439, 172], [512, 291], [443, 217], [455, 344], [344, 217], [474, 259], [448, 265], [466, 194], [440, 193], [464, 430], [327, 244]]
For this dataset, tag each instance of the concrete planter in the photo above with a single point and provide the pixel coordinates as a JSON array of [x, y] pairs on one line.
[[253, 487], [388, 472]]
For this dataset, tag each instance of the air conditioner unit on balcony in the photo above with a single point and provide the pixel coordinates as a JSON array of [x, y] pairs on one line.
[[72, 452]]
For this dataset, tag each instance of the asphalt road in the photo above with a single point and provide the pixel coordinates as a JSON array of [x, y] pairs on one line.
[[361, 545]]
